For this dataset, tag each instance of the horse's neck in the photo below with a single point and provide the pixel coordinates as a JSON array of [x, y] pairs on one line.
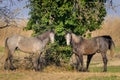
[[45, 41], [43, 36], [75, 39]]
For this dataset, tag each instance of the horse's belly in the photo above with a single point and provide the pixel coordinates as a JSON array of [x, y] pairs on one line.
[[26, 49], [89, 51], [32, 47]]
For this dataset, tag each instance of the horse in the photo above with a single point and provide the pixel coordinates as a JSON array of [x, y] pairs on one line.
[[89, 47], [33, 45]]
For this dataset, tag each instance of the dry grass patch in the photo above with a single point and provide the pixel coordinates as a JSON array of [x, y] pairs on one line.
[[31, 75], [111, 26]]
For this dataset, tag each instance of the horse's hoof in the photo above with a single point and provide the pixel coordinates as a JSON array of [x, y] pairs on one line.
[[5, 68], [36, 69], [84, 70], [12, 68], [87, 71], [105, 71]]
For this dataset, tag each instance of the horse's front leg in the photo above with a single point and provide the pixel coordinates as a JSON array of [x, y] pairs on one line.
[[35, 61], [40, 62], [81, 61], [104, 61]]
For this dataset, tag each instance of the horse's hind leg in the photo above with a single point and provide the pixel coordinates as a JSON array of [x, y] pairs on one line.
[[89, 57], [11, 63], [104, 61], [9, 58]]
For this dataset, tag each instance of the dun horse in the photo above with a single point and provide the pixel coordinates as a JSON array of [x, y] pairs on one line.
[[34, 45], [89, 47]]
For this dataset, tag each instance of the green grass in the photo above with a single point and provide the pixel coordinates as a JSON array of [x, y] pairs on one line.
[[103, 78], [117, 49], [109, 69], [1, 49]]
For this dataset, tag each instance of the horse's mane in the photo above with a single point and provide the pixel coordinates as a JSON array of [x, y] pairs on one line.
[[106, 36], [43, 35], [76, 38]]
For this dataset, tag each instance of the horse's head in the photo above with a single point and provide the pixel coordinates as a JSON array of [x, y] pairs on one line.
[[68, 38], [52, 36], [71, 37]]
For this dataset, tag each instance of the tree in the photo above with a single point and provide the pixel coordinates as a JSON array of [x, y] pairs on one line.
[[7, 16], [77, 16]]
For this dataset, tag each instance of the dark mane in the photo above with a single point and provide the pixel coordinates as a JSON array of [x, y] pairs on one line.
[[106, 36], [81, 39], [43, 36]]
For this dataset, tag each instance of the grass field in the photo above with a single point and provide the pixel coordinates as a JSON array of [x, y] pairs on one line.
[[62, 73]]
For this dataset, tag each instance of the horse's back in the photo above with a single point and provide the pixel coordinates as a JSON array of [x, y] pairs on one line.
[[30, 44]]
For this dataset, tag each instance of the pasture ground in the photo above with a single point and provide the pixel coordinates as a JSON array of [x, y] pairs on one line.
[[30, 75], [63, 73]]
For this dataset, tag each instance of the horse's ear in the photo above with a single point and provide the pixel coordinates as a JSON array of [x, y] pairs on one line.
[[66, 31], [52, 30], [70, 31]]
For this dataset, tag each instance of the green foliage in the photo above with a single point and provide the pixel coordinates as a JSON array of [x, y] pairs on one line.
[[77, 16], [56, 54]]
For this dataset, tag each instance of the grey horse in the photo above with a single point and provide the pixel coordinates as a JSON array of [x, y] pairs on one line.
[[89, 47], [33, 45]]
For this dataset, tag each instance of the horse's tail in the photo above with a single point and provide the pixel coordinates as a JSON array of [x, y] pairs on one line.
[[6, 49], [111, 44], [111, 47]]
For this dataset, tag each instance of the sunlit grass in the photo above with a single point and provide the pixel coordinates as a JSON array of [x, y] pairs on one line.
[[11, 76], [109, 69], [2, 49], [117, 49], [103, 78]]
